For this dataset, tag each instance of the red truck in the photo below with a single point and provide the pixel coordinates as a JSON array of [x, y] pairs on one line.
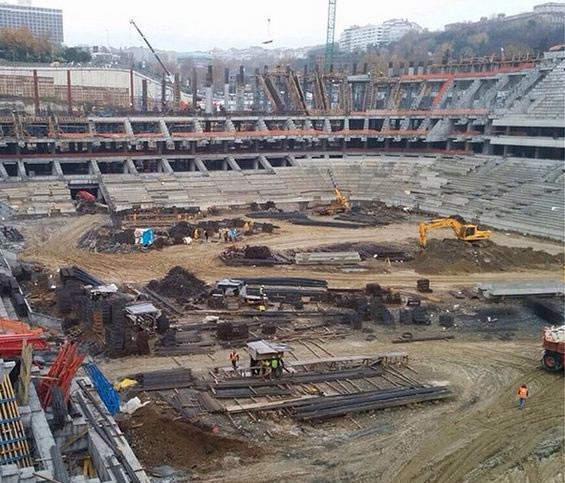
[[553, 343]]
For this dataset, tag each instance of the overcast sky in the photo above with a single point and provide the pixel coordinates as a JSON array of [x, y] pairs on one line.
[[186, 25]]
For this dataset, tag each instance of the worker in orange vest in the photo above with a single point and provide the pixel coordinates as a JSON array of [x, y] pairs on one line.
[[234, 358], [522, 396]]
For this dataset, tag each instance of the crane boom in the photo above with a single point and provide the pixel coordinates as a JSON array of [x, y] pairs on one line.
[[170, 77]]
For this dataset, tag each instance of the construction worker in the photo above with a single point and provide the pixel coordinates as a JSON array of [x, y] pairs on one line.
[[266, 368], [522, 396], [276, 368], [234, 358]]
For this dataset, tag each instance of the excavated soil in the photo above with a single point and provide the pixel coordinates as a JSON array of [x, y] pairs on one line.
[[178, 283], [444, 257], [157, 439]]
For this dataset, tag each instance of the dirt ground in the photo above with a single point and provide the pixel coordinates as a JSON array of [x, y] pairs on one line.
[[478, 436], [54, 243]]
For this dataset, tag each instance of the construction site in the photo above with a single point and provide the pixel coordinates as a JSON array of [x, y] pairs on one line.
[[343, 276]]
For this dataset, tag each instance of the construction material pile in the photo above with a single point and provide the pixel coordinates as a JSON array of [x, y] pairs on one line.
[[10, 234], [252, 255], [367, 251], [178, 284], [106, 240], [457, 257]]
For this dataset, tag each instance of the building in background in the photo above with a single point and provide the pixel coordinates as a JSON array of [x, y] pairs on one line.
[[359, 38], [42, 22], [551, 12]]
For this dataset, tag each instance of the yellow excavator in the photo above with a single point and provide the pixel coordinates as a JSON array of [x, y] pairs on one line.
[[340, 205], [462, 230]]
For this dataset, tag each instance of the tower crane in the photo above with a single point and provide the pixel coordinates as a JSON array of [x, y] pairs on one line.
[[330, 35]]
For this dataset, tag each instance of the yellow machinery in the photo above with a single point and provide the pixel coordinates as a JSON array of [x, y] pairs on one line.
[[340, 205], [462, 230]]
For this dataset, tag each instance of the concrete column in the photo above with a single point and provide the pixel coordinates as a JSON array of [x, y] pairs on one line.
[[209, 101], [69, 93], [3, 172], [128, 129], [265, 163], [225, 165], [21, 169], [57, 169], [233, 163], [536, 152], [505, 152], [129, 167], [201, 166], [93, 168], [255, 163], [35, 92], [227, 90], [166, 166], [164, 129]]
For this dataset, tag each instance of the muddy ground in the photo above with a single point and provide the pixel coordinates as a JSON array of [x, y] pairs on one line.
[[54, 243], [478, 436]]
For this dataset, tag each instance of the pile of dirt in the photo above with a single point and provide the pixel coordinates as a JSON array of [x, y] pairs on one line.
[[456, 257], [179, 283], [257, 252], [259, 255], [159, 440]]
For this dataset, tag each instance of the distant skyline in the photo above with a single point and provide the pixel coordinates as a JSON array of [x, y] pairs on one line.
[[187, 25]]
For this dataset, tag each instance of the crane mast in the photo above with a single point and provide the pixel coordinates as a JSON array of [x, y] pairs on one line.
[[330, 35]]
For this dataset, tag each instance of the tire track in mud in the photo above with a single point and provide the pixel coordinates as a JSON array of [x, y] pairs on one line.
[[497, 437]]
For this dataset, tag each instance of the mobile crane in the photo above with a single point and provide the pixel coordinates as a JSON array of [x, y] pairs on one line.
[[170, 78], [463, 231], [341, 203]]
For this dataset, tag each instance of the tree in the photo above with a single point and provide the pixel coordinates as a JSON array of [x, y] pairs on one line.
[[20, 45], [75, 54]]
